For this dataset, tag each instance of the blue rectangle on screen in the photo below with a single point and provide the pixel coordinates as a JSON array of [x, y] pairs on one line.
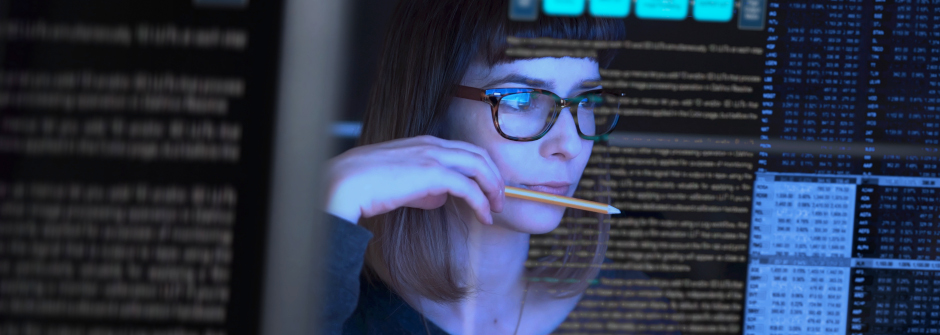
[[563, 7], [610, 8], [751, 14], [662, 9], [713, 10], [524, 10]]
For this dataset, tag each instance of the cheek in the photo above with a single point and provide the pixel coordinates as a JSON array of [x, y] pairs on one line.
[[585, 156], [474, 124], [515, 160], [469, 121]]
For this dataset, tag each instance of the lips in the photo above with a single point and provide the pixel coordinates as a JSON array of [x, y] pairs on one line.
[[556, 188]]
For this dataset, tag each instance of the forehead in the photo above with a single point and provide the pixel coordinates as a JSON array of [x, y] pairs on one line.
[[557, 74]]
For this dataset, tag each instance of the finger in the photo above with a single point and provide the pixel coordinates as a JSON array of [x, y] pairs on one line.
[[472, 165], [425, 144], [462, 187], [500, 196], [444, 181], [428, 139], [426, 188], [428, 202], [410, 142], [469, 147]]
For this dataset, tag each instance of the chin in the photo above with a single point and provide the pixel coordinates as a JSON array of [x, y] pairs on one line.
[[529, 217]]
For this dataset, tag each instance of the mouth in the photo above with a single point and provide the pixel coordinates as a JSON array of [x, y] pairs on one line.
[[556, 188]]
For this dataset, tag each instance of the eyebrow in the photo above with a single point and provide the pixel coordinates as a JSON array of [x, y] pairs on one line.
[[515, 78], [590, 83]]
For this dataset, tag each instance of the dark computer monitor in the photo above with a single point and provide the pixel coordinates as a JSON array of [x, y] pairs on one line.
[[158, 164]]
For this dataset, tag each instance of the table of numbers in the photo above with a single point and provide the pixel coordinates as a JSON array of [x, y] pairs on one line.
[[800, 254]]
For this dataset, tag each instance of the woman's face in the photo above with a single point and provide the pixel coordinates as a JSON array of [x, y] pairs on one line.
[[551, 164]]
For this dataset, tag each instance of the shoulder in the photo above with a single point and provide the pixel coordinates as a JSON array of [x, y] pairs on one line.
[[342, 230], [381, 311]]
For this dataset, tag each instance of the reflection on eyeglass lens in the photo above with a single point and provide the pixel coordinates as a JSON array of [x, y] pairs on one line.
[[529, 114]]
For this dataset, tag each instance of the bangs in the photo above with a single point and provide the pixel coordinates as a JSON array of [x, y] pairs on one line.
[[585, 28]]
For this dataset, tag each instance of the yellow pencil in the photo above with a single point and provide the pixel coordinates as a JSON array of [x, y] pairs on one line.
[[548, 198]]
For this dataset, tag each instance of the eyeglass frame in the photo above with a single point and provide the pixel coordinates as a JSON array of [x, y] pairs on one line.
[[494, 95]]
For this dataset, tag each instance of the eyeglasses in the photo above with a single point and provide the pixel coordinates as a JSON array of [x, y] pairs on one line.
[[527, 114]]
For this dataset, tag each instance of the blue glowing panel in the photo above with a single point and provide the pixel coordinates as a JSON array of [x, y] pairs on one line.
[[662, 9], [713, 10], [523, 10], [610, 8], [563, 7], [751, 14]]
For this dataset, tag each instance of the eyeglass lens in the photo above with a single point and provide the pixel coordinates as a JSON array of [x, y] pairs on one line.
[[529, 114]]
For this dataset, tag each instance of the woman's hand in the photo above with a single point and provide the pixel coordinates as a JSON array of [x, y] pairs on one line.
[[417, 172]]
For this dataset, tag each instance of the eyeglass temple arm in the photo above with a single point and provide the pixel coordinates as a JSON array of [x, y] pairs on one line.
[[471, 93]]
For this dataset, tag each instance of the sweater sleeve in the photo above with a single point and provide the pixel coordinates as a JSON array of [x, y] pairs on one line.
[[346, 251]]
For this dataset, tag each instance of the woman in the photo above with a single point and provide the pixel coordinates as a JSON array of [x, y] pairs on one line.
[[451, 121]]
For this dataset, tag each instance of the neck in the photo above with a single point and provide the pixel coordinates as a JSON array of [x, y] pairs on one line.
[[493, 254], [493, 258]]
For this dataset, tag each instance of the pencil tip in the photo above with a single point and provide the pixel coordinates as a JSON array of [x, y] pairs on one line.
[[612, 210]]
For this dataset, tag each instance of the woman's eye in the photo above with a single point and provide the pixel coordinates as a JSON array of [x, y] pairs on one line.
[[522, 102]]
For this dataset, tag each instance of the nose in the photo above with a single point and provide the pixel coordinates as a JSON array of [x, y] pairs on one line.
[[562, 141]]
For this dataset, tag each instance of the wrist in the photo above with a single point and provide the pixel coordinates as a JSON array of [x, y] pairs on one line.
[[342, 204]]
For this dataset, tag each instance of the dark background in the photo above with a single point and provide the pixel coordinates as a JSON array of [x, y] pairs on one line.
[[258, 65]]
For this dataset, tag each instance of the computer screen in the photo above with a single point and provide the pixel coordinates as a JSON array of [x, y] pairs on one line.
[[775, 163], [135, 164]]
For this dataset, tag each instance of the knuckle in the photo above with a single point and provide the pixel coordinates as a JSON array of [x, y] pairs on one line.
[[475, 157], [428, 138], [471, 148], [427, 150], [478, 156], [484, 155], [473, 189], [428, 162], [479, 150], [484, 163]]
